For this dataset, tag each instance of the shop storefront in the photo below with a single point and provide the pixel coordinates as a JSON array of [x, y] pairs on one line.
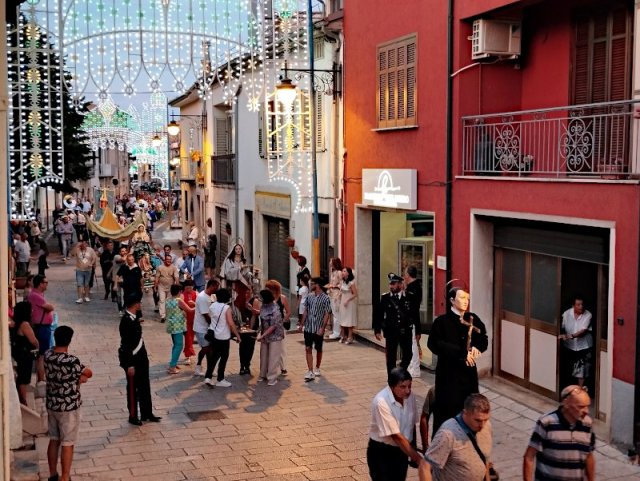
[[391, 235]]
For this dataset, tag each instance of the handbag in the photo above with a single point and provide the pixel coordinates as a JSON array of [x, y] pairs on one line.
[[210, 335], [491, 473]]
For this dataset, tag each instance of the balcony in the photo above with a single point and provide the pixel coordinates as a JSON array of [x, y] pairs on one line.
[[222, 171], [188, 169], [580, 141]]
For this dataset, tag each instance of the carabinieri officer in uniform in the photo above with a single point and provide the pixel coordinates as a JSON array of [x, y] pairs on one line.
[[395, 318], [135, 362]]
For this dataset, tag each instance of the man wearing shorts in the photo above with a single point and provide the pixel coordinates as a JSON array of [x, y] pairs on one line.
[[86, 259], [65, 373], [314, 321], [202, 320], [41, 319]]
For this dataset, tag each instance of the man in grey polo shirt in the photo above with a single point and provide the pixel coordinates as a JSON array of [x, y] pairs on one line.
[[452, 454], [202, 320]]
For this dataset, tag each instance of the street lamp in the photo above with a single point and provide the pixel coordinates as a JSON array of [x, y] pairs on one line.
[[173, 128], [156, 141], [321, 81]]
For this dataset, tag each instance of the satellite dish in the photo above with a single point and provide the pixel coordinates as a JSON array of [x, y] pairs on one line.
[[69, 202]]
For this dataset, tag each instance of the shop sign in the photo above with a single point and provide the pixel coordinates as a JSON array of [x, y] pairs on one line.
[[271, 203], [395, 188]]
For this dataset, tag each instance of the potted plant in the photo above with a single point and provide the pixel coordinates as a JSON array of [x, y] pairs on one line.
[[290, 242]]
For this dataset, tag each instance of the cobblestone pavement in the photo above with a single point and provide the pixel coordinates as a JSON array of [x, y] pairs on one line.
[[291, 431]]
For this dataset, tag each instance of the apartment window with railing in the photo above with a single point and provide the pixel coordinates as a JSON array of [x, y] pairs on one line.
[[396, 92]]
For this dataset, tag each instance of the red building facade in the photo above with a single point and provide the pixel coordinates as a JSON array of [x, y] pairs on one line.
[[532, 199]]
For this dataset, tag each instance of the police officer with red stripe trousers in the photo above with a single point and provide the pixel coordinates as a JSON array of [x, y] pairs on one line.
[[135, 362]]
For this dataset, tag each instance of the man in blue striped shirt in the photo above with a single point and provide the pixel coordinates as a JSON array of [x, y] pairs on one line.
[[314, 320], [562, 442]]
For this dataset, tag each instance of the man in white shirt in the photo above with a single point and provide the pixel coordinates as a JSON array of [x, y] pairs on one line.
[[22, 251], [202, 319], [577, 339], [394, 414]]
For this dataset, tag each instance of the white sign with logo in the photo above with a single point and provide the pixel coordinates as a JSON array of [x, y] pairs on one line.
[[396, 188]]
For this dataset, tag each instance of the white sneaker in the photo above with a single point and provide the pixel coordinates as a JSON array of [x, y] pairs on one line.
[[209, 382], [316, 372], [86, 299], [187, 361], [334, 336], [79, 300], [198, 371], [309, 376], [272, 383], [223, 383]]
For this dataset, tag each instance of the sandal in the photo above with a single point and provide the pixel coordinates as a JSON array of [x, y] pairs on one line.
[[172, 371], [349, 341]]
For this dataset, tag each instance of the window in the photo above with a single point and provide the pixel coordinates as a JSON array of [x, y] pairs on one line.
[[602, 55], [397, 81]]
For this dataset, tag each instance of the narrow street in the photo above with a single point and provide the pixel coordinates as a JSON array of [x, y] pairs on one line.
[[291, 431]]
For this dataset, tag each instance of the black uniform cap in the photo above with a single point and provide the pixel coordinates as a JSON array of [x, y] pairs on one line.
[[394, 277]]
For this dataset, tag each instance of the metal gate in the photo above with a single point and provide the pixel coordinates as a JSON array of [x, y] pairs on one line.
[[223, 238], [278, 251]]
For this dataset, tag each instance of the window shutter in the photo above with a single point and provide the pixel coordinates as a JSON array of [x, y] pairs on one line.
[[222, 146], [396, 93], [412, 98], [601, 56], [382, 88], [261, 131], [319, 113]]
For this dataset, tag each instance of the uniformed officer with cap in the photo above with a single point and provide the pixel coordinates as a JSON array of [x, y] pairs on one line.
[[394, 319], [135, 362]]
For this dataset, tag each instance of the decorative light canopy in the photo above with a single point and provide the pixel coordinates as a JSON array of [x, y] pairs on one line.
[[140, 133], [35, 110], [134, 46], [288, 123]]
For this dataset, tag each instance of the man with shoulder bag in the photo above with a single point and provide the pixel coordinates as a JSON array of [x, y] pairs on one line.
[[461, 449]]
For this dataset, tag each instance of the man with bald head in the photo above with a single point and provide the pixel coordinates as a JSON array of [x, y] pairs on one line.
[[562, 443]]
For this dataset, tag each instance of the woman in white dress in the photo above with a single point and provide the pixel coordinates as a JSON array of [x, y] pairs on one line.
[[334, 292], [348, 292]]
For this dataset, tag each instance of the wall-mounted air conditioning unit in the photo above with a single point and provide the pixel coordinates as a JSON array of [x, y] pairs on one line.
[[495, 38]]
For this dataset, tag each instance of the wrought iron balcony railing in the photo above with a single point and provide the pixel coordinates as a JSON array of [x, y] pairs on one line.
[[593, 140], [222, 170]]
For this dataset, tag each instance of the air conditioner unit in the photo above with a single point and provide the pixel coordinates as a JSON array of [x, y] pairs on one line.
[[495, 38]]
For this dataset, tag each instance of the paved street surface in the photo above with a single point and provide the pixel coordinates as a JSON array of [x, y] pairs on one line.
[[291, 431]]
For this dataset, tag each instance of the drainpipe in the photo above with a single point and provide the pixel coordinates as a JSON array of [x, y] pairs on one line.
[[335, 136], [449, 146]]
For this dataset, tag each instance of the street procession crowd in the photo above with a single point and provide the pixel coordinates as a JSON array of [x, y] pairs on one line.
[[209, 306]]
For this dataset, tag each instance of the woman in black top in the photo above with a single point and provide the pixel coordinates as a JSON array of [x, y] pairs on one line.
[[23, 343]]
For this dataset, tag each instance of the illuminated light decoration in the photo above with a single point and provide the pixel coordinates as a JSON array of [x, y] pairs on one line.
[[287, 123], [142, 134], [162, 45], [35, 126]]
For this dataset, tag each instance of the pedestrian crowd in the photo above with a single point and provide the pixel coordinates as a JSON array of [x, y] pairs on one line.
[[211, 309]]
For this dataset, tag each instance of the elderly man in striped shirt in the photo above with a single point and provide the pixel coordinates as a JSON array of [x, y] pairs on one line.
[[314, 321], [562, 442]]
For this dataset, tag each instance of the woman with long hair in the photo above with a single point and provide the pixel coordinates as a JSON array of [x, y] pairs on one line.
[[283, 305], [335, 293], [270, 337], [24, 345], [233, 272], [349, 292]]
